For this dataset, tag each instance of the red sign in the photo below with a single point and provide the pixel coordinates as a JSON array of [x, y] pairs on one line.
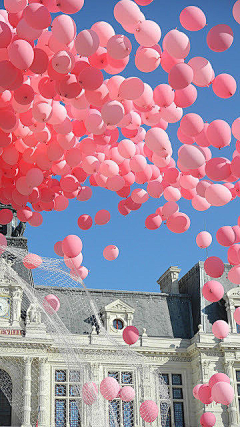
[[10, 332]]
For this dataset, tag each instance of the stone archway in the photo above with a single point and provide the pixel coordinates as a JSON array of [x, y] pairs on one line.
[[5, 398]]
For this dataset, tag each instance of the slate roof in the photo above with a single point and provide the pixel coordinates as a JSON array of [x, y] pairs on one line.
[[161, 314]]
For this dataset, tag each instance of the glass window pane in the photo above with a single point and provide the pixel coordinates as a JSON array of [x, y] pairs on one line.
[[165, 414], [238, 376], [128, 416], [60, 413], [126, 378], [60, 390], [60, 376], [74, 377], [238, 328], [177, 393], [238, 389], [178, 414], [117, 324], [176, 379], [114, 413], [166, 378], [114, 375], [74, 416], [74, 390]]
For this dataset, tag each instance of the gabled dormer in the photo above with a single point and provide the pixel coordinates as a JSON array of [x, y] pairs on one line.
[[116, 316]]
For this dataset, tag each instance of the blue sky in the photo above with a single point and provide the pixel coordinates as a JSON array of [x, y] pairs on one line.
[[145, 255]]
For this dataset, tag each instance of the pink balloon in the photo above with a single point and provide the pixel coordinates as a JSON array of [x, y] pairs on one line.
[[236, 11], [110, 252], [75, 262], [218, 195], [127, 148], [202, 71], [204, 394], [42, 112], [90, 78], [178, 222], [71, 246], [223, 393], [169, 209], [138, 163], [21, 54], [163, 95], [234, 255], [219, 377], [192, 18], [130, 335], [24, 214], [192, 124], [168, 61], [220, 329], [147, 33], [191, 157], [147, 59], [89, 393], [139, 195], [172, 194], [119, 46], [218, 169], [185, 97], [81, 272], [180, 76], [224, 85], [104, 31], [15, 6], [177, 44], [5, 35], [220, 38], [58, 248], [6, 216], [127, 394], [31, 261], [148, 411], [143, 2], [225, 236], [84, 194], [234, 275], [196, 390], [102, 217], [109, 388], [112, 112], [63, 29], [237, 315], [131, 88], [71, 6], [85, 222], [36, 219], [37, 16], [157, 140], [204, 239], [86, 43], [214, 267], [213, 291], [153, 221], [208, 419], [127, 12], [3, 243], [51, 303]]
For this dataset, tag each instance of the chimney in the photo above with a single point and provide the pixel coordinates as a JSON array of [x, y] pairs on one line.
[[169, 280]]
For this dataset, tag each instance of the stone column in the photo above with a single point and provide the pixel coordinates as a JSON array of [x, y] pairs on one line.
[[230, 308], [232, 410], [16, 310], [42, 392], [27, 379]]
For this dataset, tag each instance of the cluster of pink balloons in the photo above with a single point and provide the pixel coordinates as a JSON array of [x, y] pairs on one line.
[[70, 249], [218, 389]]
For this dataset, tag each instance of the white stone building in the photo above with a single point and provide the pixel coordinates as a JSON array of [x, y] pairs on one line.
[[175, 329]]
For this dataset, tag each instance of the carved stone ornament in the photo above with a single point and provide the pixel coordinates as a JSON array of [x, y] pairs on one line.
[[33, 314]]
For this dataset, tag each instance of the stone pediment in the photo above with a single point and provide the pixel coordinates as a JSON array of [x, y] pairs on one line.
[[119, 307], [234, 293]]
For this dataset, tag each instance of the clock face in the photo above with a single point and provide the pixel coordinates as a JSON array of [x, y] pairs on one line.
[[4, 307]]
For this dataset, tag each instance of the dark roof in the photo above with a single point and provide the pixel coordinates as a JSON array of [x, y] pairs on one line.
[[162, 315]]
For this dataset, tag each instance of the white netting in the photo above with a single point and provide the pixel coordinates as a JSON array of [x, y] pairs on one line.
[[80, 356]]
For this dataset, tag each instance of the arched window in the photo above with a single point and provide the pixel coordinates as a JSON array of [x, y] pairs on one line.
[[5, 398], [118, 324]]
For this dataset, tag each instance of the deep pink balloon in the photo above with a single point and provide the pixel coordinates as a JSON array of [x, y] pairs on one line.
[[102, 217], [219, 377], [224, 85], [220, 38], [237, 315], [208, 419], [192, 18], [180, 76], [85, 222], [130, 335], [234, 275], [213, 291], [58, 248], [185, 97], [214, 267], [178, 222], [6, 216], [86, 43], [3, 243], [225, 236], [37, 16], [192, 124], [218, 168], [71, 246], [204, 394], [153, 221]]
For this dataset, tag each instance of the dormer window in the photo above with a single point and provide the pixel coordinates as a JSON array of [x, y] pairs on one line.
[[118, 324]]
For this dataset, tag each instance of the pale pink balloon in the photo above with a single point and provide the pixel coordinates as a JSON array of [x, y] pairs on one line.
[[90, 164], [71, 246], [61, 203], [196, 390], [13, 6], [236, 128], [234, 275], [31, 261], [236, 11], [224, 85], [148, 411], [89, 393], [127, 148], [64, 29], [202, 71], [213, 291], [155, 189], [130, 335], [200, 203], [214, 267], [86, 43], [126, 12], [127, 393], [131, 88], [178, 222], [109, 388], [177, 44], [147, 59], [139, 195], [208, 419], [5, 35], [225, 236], [234, 254], [110, 252], [81, 272], [143, 2], [219, 133], [220, 38], [171, 114], [192, 18], [109, 168], [219, 377], [163, 95], [102, 217], [204, 239], [112, 112], [157, 140], [6, 216], [172, 194], [42, 112], [104, 31], [63, 62], [180, 76], [185, 97], [138, 163], [51, 304], [191, 157], [119, 46], [71, 6], [37, 16], [223, 393], [204, 394], [192, 124], [218, 195], [21, 54], [237, 315], [147, 33]]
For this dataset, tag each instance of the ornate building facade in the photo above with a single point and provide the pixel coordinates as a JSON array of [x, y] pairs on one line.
[[175, 337]]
